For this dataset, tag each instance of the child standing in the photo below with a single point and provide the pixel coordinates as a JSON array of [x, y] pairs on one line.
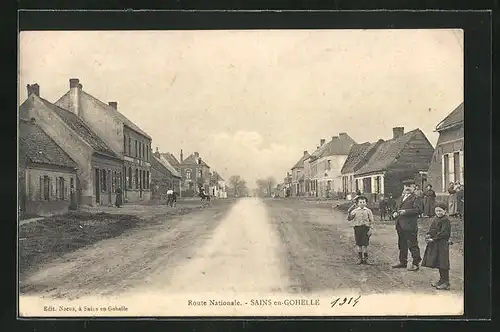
[[361, 219], [437, 254]]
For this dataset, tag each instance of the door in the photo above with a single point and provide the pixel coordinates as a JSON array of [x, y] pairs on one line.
[[367, 185], [97, 186]]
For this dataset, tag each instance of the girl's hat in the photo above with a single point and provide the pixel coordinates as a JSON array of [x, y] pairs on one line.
[[442, 205]]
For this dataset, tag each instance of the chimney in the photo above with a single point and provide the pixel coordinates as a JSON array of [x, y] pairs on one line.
[[321, 141], [157, 153], [398, 132], [182, 157], [74, 96], [305, 153], [33, 89], [342, 135], [113, 104], [334, 138], [196, 154]]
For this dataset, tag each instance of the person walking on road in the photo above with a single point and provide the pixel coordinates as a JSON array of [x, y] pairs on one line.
[[437, 252], [170, 193], [409, 208]]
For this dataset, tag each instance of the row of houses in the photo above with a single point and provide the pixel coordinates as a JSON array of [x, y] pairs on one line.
[[79, 150], [342, 166]]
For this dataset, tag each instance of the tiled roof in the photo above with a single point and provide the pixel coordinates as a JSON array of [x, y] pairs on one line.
[[216, 176], [454, 118], [170, 158], [339, 145], [300, 163], [157, 162], [72, 121], [38, 147], [191, 160], [122, 117], [356, 155], [386, 153], [81, 128]]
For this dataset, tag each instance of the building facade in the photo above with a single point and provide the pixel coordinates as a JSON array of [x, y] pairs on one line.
[[163, 177], [298, 177], [448, 159], [325, 165], [402, 157], [99, 169], [123, 137], [47, 175], [195, 174]]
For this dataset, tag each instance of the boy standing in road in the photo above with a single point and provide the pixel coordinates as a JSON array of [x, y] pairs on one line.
[[361, 219]]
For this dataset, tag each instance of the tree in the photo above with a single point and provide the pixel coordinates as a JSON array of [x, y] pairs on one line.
[[237, 186], [265, 186]]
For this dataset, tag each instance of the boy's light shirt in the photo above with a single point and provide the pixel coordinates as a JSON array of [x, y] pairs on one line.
[[362, 216]]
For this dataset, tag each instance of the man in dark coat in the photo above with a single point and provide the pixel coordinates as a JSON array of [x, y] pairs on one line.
[[408, 210]]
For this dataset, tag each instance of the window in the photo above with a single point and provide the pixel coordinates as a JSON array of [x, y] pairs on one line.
[[446, 171], [147, 152], [124, 144], [136, 151], [357, 184], [46, 188], [140, 150], [130, 177], [144, 185], [200, 173], [129, 146], [329, 165], [188, 175], [377, 184], [115, 179], [147, 180], [136, 179], [456, 166], [60, 188], [103, 180]]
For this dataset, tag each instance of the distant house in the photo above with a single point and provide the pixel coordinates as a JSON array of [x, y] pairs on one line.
[[325, 165], [47, 174], [448, 160], [99, 168], [404, 156], [195, 174], [124, 138], [358, 156], [172, 160], [217, 186], [298, 177], [163, 176]]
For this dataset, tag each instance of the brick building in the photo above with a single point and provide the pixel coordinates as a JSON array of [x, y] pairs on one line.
[[124, 138], [98, 167], [195, 174], [47, 174]]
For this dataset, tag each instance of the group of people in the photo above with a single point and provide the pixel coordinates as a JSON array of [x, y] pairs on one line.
[[406, 213]]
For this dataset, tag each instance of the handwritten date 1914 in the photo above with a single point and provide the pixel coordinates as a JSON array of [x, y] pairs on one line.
[[339, 301]]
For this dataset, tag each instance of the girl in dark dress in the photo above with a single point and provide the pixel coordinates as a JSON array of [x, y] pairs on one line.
[[119, 199], [437, 252], [429, 201]]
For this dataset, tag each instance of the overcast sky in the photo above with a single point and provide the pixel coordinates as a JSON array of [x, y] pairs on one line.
[[250, 102]]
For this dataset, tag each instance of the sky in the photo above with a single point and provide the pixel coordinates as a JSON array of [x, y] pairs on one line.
[[250, 102]]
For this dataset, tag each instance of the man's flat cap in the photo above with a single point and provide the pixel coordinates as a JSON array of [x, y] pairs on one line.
[[409, 181]]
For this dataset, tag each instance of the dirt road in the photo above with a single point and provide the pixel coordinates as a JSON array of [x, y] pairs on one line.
[[262, 247]]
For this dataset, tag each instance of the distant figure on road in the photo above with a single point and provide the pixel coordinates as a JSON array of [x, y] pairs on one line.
[[361, 219], [382, 205], [119, 198], [390, 206], [170, 194], [429, 201], [407, 227]]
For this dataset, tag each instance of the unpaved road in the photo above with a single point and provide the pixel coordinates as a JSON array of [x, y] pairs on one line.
[[252, 247]]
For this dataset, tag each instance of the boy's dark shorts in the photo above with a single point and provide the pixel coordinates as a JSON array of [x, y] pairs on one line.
[[361, 235]]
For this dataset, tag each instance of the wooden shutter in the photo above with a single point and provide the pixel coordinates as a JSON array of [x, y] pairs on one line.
[[57, 188]]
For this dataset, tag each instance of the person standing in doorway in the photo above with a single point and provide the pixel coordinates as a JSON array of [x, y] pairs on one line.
[[118, 199], [429, 201], [409, 208]]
